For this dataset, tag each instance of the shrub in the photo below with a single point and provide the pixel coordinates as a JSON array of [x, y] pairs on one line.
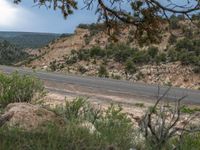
[[184, 44], [102, 71], [161, 58], [141, 57], [153, 52], [172, 55], [113, 130], [53, 65], [97, 52], [174, 22], [172, 39], [189, 141], [122, 52], [71, 60], [196, 69], [83, 54], [78, 110], [130, 67], [17, 88], [50, 137], [116, 128]]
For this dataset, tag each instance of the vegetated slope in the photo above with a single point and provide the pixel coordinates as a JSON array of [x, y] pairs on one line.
[[175, 61], [10, 54], [28, 39]]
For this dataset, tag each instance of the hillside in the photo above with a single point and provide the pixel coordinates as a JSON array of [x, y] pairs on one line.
[[10, 54], [175, 61], [28, 39]]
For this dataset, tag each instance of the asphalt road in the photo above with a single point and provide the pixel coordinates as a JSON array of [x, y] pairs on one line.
[[125, 87]]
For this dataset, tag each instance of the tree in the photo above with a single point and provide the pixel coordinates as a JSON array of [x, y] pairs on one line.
[[147, 16]]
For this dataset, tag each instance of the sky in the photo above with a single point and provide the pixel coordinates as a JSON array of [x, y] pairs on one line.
[[29, 18]]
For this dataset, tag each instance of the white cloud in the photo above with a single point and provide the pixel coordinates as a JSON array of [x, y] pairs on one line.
[[12, 15]]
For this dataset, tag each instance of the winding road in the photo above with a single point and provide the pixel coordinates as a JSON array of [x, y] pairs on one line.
[[115, 86]]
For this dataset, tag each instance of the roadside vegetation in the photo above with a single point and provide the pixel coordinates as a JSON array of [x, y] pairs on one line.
[[19, 88], [186, 51], [86, 126]]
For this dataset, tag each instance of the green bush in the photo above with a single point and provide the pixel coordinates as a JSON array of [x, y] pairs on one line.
[[141, 57], [153, 52], [190, 141], [196, 69], [71, 59], [174, 22], [97, 52], [161, 58], [172, 39], [116, 128], [51, 137], [185, 43], [53, 65], [102, 72], [130, 67], [19, 88], [113, 128], [172, 55]]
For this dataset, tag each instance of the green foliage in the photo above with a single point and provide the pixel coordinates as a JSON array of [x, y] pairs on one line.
[[113, 128], [28, 40], [116, 128], [102, 72], [188, 110], [73, 110], [174, 22], [51, 137], [161, 58], [130, 67], [172, 39], [97, 52], [53, 65], [19, 88], [190, 141], [153, 52], [188, 52], [78, 110], [71, 60], [10, 54]]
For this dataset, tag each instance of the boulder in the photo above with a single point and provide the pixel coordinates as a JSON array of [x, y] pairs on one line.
[[28, 116]]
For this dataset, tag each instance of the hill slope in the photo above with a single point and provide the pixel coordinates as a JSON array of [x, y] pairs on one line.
[[28, 39], [175, 61], [10, 54]]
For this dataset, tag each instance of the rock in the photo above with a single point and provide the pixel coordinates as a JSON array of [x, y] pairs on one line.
[[28, 116], [89, 126]]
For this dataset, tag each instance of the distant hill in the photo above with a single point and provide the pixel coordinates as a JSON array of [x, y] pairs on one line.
[[10, 54], [28, 39]]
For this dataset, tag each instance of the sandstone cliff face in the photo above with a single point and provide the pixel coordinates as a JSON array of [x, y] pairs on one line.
[[82, 39], [59, 48]]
